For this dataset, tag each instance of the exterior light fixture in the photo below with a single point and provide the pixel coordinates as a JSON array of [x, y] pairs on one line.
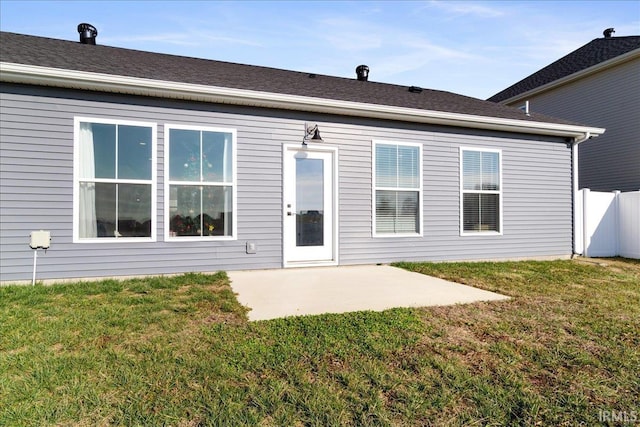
[[312, 133]]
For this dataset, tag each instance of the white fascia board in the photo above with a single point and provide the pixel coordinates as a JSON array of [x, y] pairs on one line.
[[572, 77], [36, 75]]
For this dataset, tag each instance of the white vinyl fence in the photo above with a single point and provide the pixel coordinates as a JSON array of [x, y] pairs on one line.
[[608, 224]]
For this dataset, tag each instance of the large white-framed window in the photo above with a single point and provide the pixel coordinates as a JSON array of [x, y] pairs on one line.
[[480, 191], [397, 189], [114, 174], [200, 183]]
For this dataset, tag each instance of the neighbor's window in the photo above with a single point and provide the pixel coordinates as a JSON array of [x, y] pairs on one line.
[[114, 184], [200, 189], [481, 190], [397, 179]]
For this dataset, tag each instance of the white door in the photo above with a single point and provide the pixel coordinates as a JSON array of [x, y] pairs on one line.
[[309, 223]]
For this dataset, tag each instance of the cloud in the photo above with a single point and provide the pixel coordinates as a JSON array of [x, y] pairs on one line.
[[466, 8]]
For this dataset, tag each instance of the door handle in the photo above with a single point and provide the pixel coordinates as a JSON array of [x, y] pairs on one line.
[[289, 213]]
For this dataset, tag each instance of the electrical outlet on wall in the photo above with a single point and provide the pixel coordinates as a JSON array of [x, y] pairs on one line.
[[251, 248]]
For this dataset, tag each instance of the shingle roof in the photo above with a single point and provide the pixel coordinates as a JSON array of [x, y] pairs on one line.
[[593, 53], [68, 55]]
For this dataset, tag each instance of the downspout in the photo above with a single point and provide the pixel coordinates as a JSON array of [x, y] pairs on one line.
[[574, 166]]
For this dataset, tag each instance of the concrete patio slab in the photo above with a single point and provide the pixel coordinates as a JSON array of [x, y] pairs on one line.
[[273, 294]]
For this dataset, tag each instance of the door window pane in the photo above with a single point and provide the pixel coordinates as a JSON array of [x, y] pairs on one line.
[[309, 202]]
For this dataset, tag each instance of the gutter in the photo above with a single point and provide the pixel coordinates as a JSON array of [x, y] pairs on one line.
[[46, 76]]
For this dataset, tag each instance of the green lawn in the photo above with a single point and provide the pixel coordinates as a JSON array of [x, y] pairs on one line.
[[565, 350]]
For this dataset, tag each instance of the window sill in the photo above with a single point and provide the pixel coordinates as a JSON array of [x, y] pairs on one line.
[[481, 233], [173, 239], [392, 235], [117, 240]]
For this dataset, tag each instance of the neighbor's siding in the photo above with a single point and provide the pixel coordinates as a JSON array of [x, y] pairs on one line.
[[37, 180], [609, 99]]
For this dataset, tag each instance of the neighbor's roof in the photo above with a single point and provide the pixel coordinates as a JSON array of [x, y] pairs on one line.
[[593, 53], [191, 78]]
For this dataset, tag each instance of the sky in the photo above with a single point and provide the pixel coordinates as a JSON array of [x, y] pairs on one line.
[[474, 48]]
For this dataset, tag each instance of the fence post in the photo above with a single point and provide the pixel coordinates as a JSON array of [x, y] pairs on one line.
[[616, 201], [586, 241]]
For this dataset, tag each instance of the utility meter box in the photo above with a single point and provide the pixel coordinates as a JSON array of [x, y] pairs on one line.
[[40, 239]]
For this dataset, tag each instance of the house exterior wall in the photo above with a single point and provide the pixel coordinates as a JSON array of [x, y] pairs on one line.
[[609, 99], [36, 179]]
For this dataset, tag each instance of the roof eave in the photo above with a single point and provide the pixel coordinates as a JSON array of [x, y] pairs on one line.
[[572, 77], [46, 76]]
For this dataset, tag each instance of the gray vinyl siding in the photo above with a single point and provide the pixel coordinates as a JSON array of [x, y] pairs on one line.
[[608, 99], [36, 178]]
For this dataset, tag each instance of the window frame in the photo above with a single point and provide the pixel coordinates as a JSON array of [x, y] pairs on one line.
[[375, 188], [499, 192], [153, 182], [168, 182]]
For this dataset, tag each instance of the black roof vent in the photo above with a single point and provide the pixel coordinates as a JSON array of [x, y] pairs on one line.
[[88, 33], [362, 71], [415, 89], [607, 33]]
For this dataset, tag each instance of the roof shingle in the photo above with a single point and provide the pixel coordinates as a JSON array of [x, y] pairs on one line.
[[593, 53], [68, 55]]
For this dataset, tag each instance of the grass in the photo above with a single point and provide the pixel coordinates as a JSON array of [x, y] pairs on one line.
[[565, 350]]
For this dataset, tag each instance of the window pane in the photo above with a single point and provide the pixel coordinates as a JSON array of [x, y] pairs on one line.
[[471, 212], [218, 211], [397, 212], [216, 157], [490, 171], [490, 212], [184, 155], [184, 210], [87, 221], [105, 212], [134, 210], [408, 170], [104, 149], [134, 152], [481, 212], [471, 171], [386, 165]]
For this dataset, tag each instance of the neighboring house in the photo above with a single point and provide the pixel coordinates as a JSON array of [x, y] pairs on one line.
[[143, 163], [597, 84]]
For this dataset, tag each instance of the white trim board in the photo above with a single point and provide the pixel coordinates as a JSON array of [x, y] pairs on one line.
[[46, 76]]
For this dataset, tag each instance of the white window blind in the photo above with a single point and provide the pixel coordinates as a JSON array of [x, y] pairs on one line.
[[481, 191], [398, 180]]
